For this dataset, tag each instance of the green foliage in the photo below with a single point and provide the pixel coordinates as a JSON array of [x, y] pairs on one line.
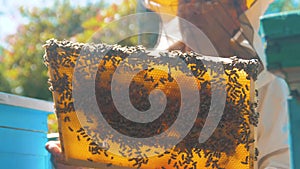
[[22, 67], [4, 85], [101, 28], [52, 123]]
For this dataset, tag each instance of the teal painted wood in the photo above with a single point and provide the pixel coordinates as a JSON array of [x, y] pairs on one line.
[[23, 142], [20, 161], [283, 53], [24, 118], [282, 34], [281, 25], [294, 110], [23, 132]]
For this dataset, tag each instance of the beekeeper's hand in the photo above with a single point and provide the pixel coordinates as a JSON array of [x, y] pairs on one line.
[[57, 159]]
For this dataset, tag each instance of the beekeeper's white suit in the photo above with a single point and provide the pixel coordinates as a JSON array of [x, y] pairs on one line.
[[272, 131], [273, 94]]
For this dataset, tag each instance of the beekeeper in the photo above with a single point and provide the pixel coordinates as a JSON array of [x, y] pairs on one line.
[[231, 32], [235, 32]]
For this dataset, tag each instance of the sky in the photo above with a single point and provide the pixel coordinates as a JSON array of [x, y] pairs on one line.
[[10, 18]]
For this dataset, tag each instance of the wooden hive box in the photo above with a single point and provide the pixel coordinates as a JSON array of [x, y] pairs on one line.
[[23, 132]]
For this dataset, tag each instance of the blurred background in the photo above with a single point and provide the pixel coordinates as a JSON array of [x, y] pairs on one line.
[[26, 25]]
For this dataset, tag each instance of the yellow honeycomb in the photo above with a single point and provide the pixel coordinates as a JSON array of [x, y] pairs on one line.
[[90, 69]]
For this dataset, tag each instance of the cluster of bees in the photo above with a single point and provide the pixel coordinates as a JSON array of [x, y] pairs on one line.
[[231, 144]]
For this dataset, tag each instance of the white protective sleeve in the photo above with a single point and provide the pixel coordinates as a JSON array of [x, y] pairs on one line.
[[273, 131], [273, 128]]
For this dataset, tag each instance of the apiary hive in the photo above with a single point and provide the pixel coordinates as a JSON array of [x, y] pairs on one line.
[[85, 74], [23, 132]]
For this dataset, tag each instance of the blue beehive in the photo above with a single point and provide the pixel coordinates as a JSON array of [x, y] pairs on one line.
[[282, 33], [294, 108], [23, 132]]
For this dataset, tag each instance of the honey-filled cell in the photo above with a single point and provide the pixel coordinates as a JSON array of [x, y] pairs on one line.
[[102, 94]]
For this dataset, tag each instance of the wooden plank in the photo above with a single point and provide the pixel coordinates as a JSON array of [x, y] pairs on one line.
[[23, 118], [20, 101], [21, 161], [23, 142]]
